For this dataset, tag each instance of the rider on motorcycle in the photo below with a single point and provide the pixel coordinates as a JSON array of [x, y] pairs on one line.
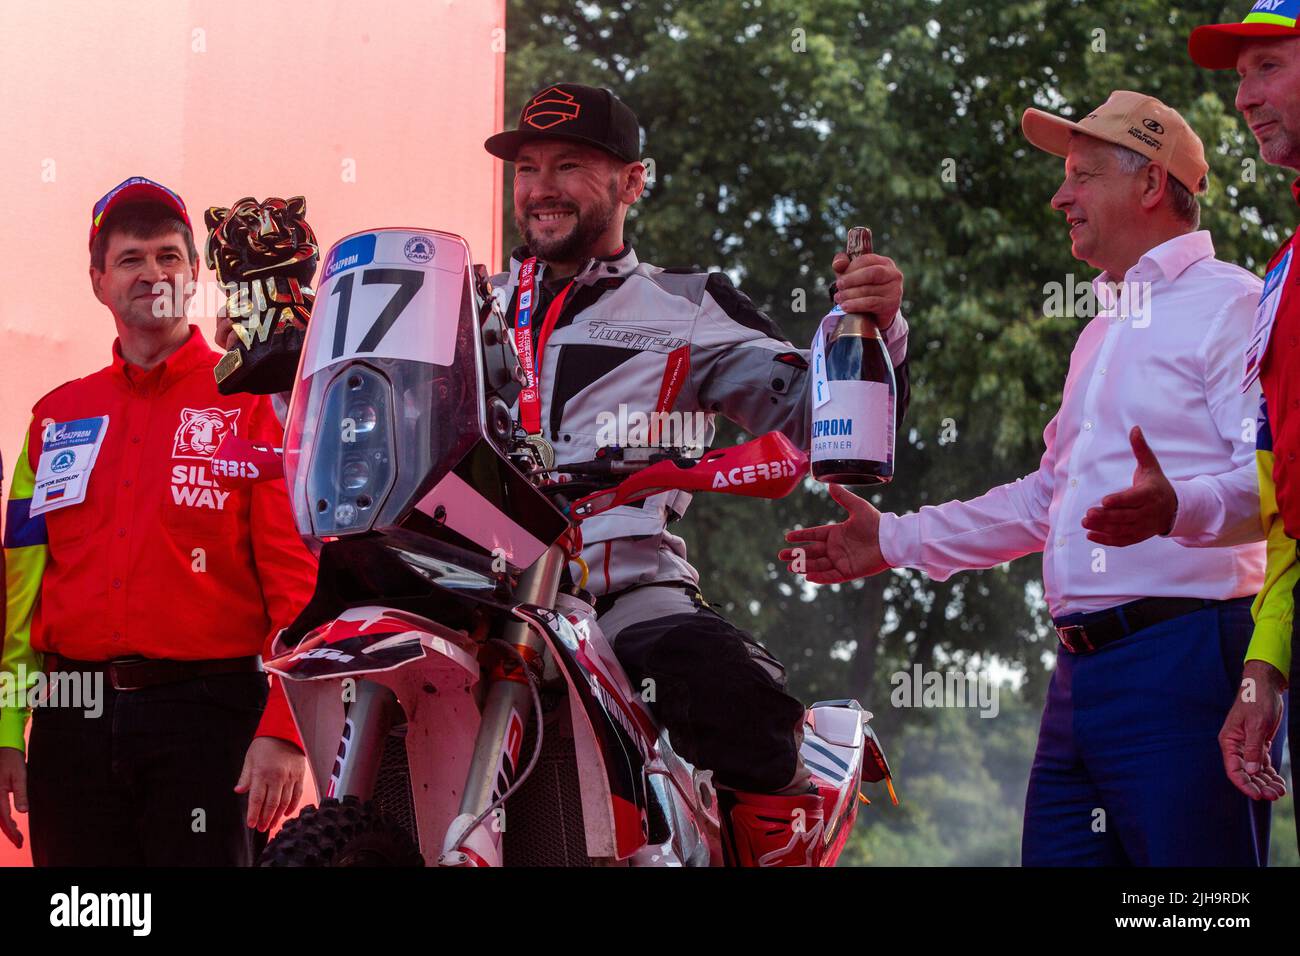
[[615, 339]]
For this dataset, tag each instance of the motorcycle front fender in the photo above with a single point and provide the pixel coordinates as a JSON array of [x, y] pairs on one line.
[[434, 673]]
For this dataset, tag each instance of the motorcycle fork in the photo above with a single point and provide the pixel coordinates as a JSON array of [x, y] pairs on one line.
[[508, 705], [366, 723]]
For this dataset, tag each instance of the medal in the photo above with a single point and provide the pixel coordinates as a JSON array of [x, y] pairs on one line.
[[545, 453]]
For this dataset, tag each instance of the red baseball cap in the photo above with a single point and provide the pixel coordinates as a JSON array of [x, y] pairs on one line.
[[1216, 46], [139, 189]]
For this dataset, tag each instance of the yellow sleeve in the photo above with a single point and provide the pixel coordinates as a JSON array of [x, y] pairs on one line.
[[26, 551], [1274, 608]]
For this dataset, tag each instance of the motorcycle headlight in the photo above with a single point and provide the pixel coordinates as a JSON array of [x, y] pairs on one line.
[[353, 468]]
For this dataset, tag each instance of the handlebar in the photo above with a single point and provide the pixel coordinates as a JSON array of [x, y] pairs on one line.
[[618, 465]]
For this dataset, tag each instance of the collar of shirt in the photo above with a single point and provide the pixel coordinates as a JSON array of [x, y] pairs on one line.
[[193, 354], [1167, 261], [623, 263]]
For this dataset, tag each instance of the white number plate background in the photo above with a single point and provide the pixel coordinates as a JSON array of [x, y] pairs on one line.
[[422, 263]]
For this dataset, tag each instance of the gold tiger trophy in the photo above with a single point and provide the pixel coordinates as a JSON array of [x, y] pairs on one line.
[[264, 255]]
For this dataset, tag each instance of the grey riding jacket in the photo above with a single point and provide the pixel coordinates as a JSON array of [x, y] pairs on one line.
[[631, 334]]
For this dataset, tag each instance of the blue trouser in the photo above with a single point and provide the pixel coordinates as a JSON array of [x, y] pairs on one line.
[[1128, 770], [1294, 722]]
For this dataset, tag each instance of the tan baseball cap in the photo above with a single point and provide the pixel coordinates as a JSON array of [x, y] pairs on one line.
[[1140, 122]]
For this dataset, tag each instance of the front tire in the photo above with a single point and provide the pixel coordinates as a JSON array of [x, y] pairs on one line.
[[341, 833]]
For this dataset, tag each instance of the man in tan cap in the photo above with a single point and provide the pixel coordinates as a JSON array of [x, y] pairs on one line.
[[1264, 49], [1152, 621], [1155, 142]]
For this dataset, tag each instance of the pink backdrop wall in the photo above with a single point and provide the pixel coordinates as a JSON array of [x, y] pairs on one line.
[[375, 111]]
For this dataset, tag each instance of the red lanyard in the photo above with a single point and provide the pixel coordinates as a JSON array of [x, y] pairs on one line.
[[530, 398]]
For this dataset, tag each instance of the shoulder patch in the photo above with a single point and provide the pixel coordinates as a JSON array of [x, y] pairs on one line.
[[740, 308]]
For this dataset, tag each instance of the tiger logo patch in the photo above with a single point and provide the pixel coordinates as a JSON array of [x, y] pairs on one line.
[[202, 430]]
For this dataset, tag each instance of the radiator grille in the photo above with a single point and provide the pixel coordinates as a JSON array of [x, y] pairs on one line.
[[393, 786], [544, 824]]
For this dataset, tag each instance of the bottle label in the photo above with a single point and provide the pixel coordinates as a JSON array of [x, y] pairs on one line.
[[856, 422], [821, 391]]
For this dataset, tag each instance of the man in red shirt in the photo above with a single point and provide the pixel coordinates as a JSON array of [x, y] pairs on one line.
[[1264, 49], [140, 593]]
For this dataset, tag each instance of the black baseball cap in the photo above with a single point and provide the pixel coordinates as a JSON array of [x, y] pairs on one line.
[[583, 114]]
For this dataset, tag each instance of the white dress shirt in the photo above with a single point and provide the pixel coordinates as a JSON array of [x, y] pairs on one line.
[[1166, 355]]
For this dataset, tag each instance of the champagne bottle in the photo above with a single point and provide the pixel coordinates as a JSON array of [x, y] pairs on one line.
[[853, 394]]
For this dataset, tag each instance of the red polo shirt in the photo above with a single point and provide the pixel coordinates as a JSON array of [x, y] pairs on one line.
[[158, 560]]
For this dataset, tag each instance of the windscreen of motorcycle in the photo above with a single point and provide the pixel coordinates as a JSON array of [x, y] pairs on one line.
[[387, 398]]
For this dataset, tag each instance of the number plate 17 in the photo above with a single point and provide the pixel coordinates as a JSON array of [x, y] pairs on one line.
[[392, 293]]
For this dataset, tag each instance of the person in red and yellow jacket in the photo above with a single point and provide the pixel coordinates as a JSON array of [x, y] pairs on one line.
[[1264, 49], [140, 593]]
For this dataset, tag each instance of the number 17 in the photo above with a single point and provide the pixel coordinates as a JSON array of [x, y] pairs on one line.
[[408, 282]]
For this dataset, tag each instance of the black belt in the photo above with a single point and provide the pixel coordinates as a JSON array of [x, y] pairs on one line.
[[1093, 631], [137, 673], [606, 601]]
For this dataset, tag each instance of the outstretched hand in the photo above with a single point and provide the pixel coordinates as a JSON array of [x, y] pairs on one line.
[[1145, 509], [835, 553]]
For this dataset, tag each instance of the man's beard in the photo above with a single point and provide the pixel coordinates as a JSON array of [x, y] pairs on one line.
[[1282, 147], [579, 245], [1281, 150]]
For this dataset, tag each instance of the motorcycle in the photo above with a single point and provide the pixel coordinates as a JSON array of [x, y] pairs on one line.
[[457, 701]]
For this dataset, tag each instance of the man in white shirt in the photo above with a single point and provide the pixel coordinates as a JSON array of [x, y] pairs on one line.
[[1153, 621]]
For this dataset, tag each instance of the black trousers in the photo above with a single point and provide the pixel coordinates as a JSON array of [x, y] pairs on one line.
[[150, 780], [718, 692]]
